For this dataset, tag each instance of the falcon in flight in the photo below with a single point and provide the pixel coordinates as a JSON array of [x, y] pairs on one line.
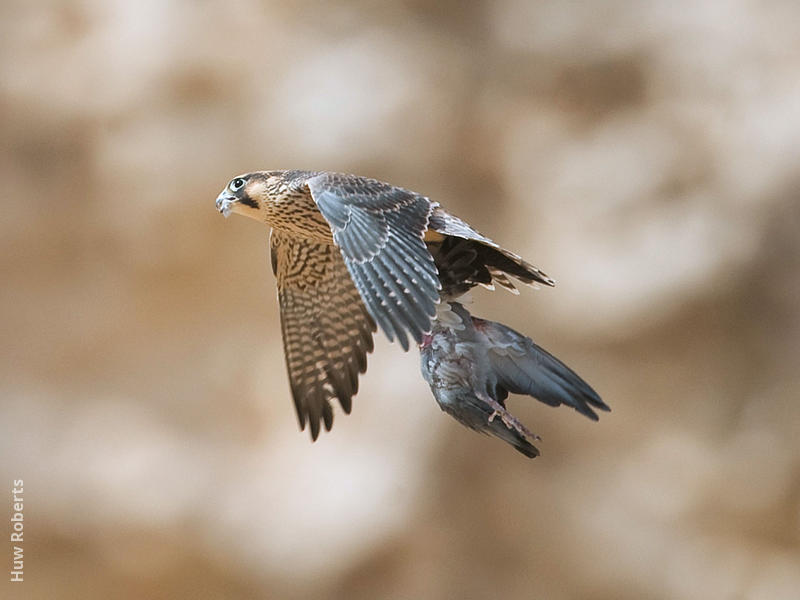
[[351, 254]]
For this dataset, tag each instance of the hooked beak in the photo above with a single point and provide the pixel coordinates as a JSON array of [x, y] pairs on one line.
[[225, 204]]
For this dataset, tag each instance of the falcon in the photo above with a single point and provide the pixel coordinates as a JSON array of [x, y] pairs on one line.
[[351, 254]]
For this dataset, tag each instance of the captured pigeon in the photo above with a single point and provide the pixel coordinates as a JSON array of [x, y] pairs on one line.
[[472, 364]]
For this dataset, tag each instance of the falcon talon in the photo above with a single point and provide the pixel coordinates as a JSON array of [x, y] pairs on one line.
[[352, 255]]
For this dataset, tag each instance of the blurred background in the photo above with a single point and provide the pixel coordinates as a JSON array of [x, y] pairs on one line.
[[644, 154]]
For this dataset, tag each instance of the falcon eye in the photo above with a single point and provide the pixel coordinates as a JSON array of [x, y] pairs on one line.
[[237, 184]]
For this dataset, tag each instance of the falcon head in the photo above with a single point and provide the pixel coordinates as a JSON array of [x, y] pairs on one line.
[[246, 194]]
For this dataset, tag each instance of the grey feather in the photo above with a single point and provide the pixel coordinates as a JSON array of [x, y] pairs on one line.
[[522, 367], [379, 230], [473, 364]]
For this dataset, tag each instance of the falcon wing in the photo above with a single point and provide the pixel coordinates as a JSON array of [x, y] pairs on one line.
[[469, 257], [327, 332], [379, 229]]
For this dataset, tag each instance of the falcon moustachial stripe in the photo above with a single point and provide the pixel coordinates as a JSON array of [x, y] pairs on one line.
[[351, 254]]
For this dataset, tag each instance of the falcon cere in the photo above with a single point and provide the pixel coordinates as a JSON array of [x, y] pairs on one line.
[[17, 526]]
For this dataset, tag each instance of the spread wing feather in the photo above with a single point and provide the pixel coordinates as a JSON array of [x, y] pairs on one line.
[[327, 332], [379, 229], [522, 367], [467, 258]]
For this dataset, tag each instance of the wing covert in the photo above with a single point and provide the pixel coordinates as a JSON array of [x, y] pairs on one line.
[[379, 229]]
